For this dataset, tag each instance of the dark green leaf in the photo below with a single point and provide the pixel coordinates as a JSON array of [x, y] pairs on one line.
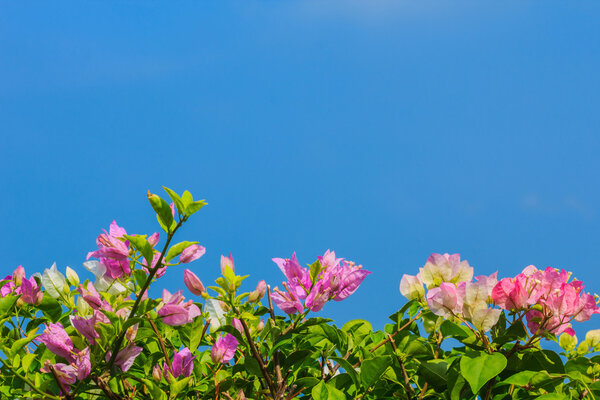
[[372, 369], [478, 368]]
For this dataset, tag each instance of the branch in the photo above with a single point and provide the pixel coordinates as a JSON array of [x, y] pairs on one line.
[[162, 344]]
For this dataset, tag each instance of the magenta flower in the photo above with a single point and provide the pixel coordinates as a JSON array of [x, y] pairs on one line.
[[153, 239], [318, 296], [287, 301], [7, 286], [113, 252], [298, 277], [224, 349], [31, 292], [66, 374], [344, 279], [91, 296], [57, 341], [126, 356], [175, 311], [183, 364], [82, 363], [192, 253], [86, 327], [193, 283]]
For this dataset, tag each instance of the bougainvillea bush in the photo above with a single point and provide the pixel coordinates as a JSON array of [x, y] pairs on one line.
[[457, 336]]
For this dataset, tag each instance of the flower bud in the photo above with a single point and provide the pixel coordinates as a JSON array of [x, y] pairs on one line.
[[18, 275], [192, 253], [593, 337], [156, 373], [72, 277], [193, 283], [153, 239], [237, 324], [227, 262], [258, 293], [260, 326]]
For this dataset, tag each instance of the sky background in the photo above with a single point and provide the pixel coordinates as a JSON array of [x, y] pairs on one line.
[[383, 130]]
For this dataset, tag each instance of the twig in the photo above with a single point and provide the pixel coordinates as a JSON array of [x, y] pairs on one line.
[[162, 344], [60, 384], [407, 387]]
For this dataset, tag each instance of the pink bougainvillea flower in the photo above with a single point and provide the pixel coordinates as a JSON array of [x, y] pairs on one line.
[[511, 294], [445, 300], [183, 364], [193, 283], [192, 253], [445, 268], [224, 349], [18, 275], [287, 301], [328, 260], [227, 262], [113, 252], [161, 271], [86, 327], [175, 311], [31, 292], [298, 278], [91, 296], [82, 363], [57, 340], [318, 296], [344, 279], [237, 324], [126, 356], [66, 374], [7, 286], [153, 239]]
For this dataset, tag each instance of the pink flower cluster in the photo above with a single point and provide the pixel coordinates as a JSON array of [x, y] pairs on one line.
[[182, 365], [336, 280], [550, 301], [175, 311], [17, 284]]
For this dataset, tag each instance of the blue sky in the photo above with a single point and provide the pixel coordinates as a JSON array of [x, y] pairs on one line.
[[383, 130]]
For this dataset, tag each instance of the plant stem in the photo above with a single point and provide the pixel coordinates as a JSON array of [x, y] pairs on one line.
[[162, 344], [31, 384]]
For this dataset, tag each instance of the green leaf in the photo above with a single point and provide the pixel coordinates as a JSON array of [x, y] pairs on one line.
[[141, 244], [176, 250], [140, 277], [196, 333], [372, 369], [19, 344], [553, 396], [324, 391], [163, 212], [520, 378], [478, 368], [358, 328], [178, 386], [6, 304], [194, 206], [51, 308], [315, 270], [460, 332], [435, 373], [176, 200], [27, 360], [345, 364]]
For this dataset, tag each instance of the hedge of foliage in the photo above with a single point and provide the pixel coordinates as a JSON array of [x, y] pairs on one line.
[[457, 337]]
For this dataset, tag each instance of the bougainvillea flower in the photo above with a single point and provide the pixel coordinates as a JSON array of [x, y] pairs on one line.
[[287, 301], [54, 282], [192, 253], [126, 356], [298, 278], [86, 327], [113, 252], [91, 296], [66, 374], [175, 311], [18, 275], [411, 287], [328, 260], [318, 296], [445, 268], [31, 292], [57, 340], [344, 279], [511, 294], [445, 300], [224, 349], [183, 364], [484, 319], [82, 363], [237, 324], [161, 271], [227, 262], [153, 239], [193, 283], [7, 286]]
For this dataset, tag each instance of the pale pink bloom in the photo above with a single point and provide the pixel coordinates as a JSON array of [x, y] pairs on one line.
[[445, 268], [91, 296], [116, 231], [224, 349], [193, 283], [126, 356], [30, 291], [183, 364], [328, 260], [411, 287], [343, 280], [227, 262], [237, 324], [586, 308], [153, 239], [175, 311], [484, 319], [57, 340], [192, 253], [18, 275], [445, 300], [82, 363]]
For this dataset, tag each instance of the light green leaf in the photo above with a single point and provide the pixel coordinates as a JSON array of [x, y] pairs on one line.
[[176, 250], [479, 368], [176, 200], [372, 369]]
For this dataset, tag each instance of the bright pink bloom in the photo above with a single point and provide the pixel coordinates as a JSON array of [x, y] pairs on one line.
[[224, 349], [183, 364], [511, 294], [113, 252], [91, 296], [318, 296], [328, 260], [31, 292], [126, 356], [344, 279], [287, 301], [7, 286], [193, 283], [227, 262], [57, 341], [175, 311], [192, 253], [298, 277]]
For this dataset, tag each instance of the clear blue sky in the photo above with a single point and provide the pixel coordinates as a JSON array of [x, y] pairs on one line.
[[384, 130]]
